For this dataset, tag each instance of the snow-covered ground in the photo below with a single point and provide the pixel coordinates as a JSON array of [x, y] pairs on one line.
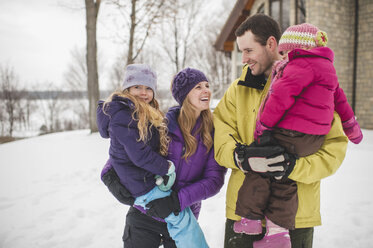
[[51, 196]]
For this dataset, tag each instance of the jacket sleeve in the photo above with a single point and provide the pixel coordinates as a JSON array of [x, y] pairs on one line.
[[324, 162], [284, 91], [342, 106], [138, 152], [225, 123], [210, 184]]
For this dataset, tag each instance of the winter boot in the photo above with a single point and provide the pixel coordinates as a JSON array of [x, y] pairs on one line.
[[247, 226], [275, 237]]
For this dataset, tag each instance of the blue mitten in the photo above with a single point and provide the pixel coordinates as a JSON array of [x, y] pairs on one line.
[[165, 183]]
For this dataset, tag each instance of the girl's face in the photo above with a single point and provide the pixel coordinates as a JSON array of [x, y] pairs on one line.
[[284, 54], [142, 92], [199, 97]]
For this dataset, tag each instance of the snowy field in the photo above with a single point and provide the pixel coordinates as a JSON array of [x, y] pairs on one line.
[[51, 196]]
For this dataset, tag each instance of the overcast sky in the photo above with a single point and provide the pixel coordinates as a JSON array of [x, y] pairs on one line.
[[37, 36]]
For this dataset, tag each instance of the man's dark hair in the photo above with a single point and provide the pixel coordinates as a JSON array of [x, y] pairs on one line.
[[262, 26]]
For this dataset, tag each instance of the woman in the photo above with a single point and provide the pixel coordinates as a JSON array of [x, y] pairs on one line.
[[198, 176]]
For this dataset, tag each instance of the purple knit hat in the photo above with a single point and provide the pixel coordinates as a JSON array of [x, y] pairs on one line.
[[139, 74], [304, 35], [184, 82]]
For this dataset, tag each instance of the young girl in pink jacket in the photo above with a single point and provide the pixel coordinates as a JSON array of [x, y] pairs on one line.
[[297, 113], [305, 91]]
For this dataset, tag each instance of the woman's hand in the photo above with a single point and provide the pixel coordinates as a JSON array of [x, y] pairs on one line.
[[163, 207]]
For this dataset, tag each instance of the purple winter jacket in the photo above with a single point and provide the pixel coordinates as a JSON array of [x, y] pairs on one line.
[[198, 178], [136, 163]]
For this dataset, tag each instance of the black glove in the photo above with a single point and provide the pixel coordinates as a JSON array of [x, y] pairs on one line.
[[163, 207], [271, 160], [266, 139], [111, 180], [291, 161]]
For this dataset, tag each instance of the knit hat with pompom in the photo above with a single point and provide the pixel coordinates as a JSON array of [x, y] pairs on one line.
[[304, 36]]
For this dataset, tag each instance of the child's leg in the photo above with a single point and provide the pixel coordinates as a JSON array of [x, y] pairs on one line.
[[247, 226], [251, 202], [185, 230], [153, 194], [283, 203], [280, 215], [275, 237]]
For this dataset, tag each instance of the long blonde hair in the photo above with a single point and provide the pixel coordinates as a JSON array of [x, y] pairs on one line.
[[147, 116], [187, 121]]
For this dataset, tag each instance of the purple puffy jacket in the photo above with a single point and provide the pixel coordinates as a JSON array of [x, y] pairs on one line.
[[196, 179], [135, 163]]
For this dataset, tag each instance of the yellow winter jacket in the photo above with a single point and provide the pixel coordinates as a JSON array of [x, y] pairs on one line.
[[236, 114]]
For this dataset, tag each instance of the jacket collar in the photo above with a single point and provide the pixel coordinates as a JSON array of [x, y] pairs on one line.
[[249, 80], [173, 126], [171, 116], [320, 52]]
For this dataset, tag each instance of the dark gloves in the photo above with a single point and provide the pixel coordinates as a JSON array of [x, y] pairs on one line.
[[269, 160], [163, 207], [111, 180]]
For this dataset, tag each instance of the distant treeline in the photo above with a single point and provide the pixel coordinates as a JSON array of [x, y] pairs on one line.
[[68, 95]]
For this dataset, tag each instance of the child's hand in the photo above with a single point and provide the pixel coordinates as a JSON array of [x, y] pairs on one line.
[[352, 130], [165, 183]]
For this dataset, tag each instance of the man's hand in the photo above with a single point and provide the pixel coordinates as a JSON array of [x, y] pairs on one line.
[[269, 160]]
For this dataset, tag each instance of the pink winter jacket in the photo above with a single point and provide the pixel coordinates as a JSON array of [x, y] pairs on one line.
[[305, 94]]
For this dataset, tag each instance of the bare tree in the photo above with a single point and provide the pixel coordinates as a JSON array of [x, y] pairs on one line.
[[92, 8], [12, 94], [216, 65], [50, 105], [143, 15], [76, 74], [117, 73], [2, 116], [76, 78], [178, 30]]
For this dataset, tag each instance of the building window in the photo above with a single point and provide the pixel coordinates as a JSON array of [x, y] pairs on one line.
[[280, 11], [300, 6]]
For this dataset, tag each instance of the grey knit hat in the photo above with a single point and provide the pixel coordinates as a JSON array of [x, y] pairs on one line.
[[140, 74]]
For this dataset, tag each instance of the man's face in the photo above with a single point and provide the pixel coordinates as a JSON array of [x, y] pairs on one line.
[[259, 58]]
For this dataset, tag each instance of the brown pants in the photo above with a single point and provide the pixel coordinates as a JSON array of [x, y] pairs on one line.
[[262, 196], [298, 143], [277, 200]]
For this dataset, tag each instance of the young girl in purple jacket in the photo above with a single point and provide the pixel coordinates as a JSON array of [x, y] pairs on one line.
[[297, 113], [198, 175]]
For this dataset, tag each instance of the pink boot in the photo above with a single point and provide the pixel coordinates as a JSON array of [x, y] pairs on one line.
[[275, 237], [251, 227]]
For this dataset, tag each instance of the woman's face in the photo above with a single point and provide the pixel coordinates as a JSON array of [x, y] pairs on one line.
[[199, 97], [142, 92]]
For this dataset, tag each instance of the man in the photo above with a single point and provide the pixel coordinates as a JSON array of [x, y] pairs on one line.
[[257, 39]]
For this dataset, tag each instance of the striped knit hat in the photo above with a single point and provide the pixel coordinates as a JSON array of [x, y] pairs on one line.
[[304, 36]]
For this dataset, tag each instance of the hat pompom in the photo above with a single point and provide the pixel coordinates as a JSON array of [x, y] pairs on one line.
[[321, 38]]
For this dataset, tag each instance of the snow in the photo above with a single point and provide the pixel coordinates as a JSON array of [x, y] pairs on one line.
[[51, 196]]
